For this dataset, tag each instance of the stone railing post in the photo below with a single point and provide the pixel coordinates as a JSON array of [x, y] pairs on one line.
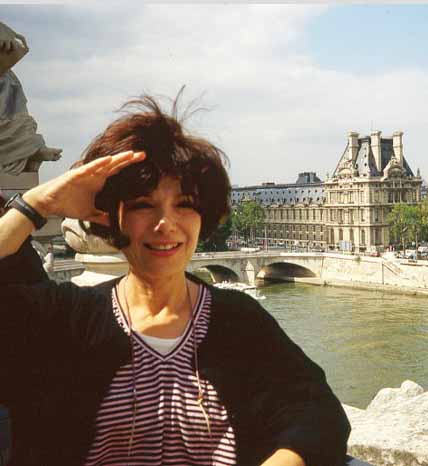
[[100, 268]]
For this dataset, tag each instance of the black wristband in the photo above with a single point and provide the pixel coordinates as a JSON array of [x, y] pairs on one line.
[[18, 203]]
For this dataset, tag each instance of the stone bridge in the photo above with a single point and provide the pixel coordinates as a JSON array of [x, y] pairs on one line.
[[231, 266], [247, 266]]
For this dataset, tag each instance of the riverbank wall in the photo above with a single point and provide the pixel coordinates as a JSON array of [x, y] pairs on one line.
[[376, 273]]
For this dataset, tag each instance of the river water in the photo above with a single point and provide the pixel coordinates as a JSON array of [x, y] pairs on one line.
[[364, 340]]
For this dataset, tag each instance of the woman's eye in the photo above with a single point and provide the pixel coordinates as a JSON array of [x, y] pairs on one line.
[[187, 205], [141, 205]]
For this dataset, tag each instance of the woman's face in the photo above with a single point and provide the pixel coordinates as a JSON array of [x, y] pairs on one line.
[[163, 227]]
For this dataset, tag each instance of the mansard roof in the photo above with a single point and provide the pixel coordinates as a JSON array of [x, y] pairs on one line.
[[290, 193], [364, 164]]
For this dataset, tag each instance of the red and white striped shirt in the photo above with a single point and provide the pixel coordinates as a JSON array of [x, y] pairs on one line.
[[170, 426]]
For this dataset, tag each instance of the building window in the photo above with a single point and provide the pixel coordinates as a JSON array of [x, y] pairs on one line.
[[363, 237], [340, 234], [376, 215], [378, 236]]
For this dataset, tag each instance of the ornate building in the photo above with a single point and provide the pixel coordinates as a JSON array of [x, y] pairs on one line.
[[294, 212], [348, 210], [370, 177]]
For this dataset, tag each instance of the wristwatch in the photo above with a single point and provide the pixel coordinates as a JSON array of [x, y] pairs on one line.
[[18, 203]]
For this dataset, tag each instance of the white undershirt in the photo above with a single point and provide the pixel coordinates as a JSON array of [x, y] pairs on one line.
[[163, 345]]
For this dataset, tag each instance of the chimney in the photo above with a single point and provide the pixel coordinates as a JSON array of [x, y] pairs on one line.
[[376, 149], [352, 145], [398, 146]]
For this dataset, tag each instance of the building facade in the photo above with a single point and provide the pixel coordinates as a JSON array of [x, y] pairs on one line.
[[294, 211], [348, 211]]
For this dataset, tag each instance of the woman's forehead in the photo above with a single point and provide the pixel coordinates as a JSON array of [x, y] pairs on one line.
[[168, 185]]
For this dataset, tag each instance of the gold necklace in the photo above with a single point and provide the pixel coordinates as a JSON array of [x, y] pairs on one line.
[[200, 398]]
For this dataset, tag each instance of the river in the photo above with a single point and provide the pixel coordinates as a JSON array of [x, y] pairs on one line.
[[364, 340]]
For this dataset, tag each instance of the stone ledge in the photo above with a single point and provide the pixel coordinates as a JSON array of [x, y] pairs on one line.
[[393, 430]]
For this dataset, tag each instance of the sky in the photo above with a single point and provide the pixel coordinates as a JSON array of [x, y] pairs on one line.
[[282, 83]]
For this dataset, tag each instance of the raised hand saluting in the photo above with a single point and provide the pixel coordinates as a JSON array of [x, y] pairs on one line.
[[69, 195], [73, 193]]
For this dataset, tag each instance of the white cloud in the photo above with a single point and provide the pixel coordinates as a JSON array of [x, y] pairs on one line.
[[275, 112]]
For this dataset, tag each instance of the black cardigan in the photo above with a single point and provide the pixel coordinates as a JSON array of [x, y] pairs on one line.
[[23, 267], [60, 347]]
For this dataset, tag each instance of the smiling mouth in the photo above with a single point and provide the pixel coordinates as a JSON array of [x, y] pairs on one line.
[[162, 247]]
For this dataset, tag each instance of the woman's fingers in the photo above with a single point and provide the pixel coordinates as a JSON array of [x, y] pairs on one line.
[[116, 169], [93, 167], [120, 163], [105, 165]]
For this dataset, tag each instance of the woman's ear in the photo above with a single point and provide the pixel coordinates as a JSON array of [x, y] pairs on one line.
[[121, 214]]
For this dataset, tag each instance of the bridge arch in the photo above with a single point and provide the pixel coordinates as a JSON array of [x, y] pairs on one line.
[[285, 271], [219, 273]]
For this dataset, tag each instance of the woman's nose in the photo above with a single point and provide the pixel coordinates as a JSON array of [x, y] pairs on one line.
[[165, 222]]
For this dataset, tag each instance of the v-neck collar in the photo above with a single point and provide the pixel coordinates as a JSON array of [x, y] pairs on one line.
[[123, 322]]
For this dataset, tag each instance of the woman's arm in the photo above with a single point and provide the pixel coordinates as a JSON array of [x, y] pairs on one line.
[[69, 195], [293, 403], [284, 457], [14, 230]]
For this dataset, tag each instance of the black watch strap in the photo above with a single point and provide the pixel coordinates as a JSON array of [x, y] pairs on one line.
[[18, 203]]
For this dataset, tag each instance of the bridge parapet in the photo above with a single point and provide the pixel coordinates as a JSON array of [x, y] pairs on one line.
[[248, 266]]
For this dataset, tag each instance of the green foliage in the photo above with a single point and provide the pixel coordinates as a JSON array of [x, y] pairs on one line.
[[409, 223], [247, 217], [217, 241]]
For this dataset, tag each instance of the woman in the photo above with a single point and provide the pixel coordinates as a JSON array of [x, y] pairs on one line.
[[24, 267], [204, 376]]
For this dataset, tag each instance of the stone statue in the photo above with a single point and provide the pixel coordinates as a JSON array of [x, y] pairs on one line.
[[83, 242], [21, 148]]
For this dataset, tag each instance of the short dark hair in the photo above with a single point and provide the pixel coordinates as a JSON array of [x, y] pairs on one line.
[[170, 151]]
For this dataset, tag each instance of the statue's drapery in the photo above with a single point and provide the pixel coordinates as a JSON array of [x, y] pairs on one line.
[[18, 137]]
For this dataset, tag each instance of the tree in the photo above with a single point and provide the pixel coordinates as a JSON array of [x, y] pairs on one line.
[[424, 219], [409, 222], [247, 218], [415, 223], [400, 219], [217, 241]]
